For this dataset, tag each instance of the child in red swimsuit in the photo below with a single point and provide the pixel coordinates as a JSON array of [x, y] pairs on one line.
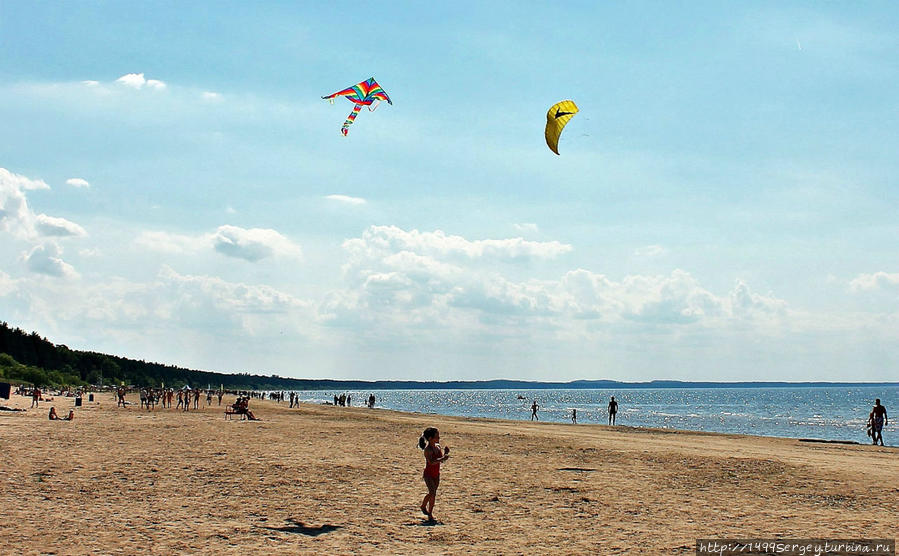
[[433, 457]]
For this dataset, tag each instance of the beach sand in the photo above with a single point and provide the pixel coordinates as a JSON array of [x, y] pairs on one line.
[[327, 479]]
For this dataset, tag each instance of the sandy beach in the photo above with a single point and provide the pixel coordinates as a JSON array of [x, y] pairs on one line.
[[322, 479]]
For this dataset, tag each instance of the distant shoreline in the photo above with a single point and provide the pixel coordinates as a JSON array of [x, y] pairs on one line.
[[503, 384]]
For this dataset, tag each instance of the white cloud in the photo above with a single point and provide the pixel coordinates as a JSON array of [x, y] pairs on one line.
[[226, 297], [166, 242], [17, 218], [878, 281], [45, 258], [77, 182], [347, 199], [211, 96], [381, 239], [650, 251], [90, 83], [7, 284], [407, 279], [253, 244], [138, 81], [60, 227], [527, 227], [10, 180]]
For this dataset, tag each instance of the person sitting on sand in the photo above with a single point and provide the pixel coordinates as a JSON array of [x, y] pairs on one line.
[[71, 416], [429, 442], [53, 416], [245, 409]]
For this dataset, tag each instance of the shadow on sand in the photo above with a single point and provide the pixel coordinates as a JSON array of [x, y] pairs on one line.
[[298, 527], [424, 523]]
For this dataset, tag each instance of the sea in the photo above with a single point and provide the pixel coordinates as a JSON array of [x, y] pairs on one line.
[[824, 413]]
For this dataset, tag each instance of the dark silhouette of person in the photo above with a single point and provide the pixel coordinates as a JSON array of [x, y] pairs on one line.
[[879, 413], [613, 410], [534, 409]]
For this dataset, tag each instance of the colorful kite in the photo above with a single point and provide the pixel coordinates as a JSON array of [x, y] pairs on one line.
[[558, 115], [361, 94]]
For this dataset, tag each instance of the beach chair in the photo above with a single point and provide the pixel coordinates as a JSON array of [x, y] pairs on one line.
[[230, 412]]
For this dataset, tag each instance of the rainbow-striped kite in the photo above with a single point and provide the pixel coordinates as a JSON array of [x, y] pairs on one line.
[[361, 94]]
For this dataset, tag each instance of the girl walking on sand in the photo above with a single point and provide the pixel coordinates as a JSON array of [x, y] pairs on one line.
[[429, 442]]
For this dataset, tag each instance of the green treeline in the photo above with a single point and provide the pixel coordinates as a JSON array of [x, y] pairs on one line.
[[29, 358]]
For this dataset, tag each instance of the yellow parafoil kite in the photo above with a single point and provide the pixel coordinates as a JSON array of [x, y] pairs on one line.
[[558, 115]]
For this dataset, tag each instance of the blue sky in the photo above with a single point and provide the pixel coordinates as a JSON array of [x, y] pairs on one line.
[[172, 188]]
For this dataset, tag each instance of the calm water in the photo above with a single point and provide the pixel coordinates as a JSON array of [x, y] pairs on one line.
[[826, 413]]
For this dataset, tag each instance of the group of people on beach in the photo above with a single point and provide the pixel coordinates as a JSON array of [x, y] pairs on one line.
[[613, 411], [346, 400], [54, 417]]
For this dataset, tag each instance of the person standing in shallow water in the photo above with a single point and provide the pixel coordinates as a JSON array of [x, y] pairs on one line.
[[434, 456], [613, 410], [534, 408], [879, 413]]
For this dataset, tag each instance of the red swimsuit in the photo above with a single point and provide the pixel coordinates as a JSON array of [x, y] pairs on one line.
[[433, 469]]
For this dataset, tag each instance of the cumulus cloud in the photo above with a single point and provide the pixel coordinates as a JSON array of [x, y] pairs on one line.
[[17, 217], [253, 244], [60, 227], [878, 281], [138, 81], [77, 182], [380, 239], [410, 279], [347, 199], [16, 181], [46, 259], [226, 296]]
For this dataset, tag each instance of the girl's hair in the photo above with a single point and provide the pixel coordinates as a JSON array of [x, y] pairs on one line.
[[425, 436]]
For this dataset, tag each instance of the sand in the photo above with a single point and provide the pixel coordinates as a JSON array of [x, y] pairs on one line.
[[348, 480]]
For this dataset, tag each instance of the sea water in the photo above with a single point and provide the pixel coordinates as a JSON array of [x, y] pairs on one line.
[[828, 413]]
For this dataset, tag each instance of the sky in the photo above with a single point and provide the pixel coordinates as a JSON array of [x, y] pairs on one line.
[[725, 205]]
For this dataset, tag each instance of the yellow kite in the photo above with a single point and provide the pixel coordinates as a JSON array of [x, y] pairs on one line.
[[556, 118]]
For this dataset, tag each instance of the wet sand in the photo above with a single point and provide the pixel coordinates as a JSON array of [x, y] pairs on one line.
[[327, 479]]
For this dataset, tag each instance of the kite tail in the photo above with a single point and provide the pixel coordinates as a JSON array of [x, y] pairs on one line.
[[350, 119]]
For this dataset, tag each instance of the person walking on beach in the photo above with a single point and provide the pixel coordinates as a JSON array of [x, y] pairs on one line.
[[613, 409], [574, 416], [879, 413], [35, 397], [534, 408], [434, 456]]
